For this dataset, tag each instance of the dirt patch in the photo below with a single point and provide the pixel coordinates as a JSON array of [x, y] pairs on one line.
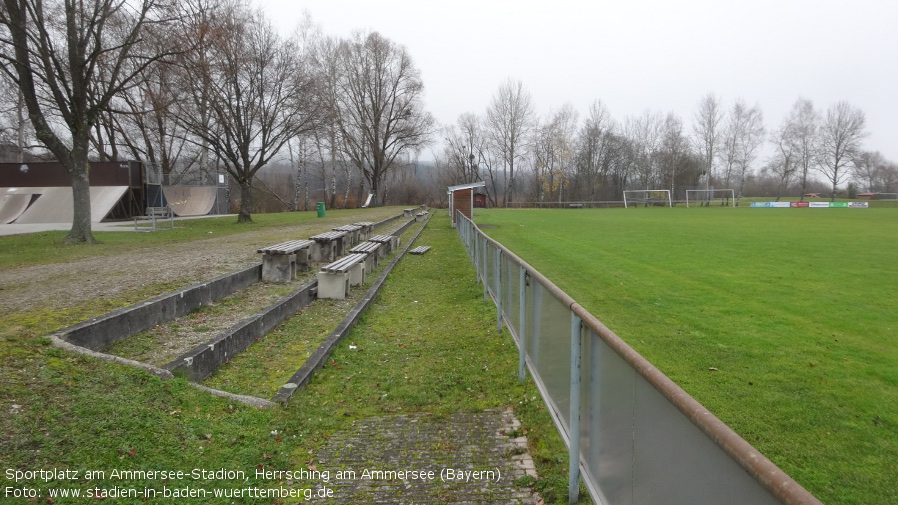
[[61, 286]]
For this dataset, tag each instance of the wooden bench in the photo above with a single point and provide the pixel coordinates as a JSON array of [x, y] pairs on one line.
[[421, 216], [352, 233], [334, 279], [328, 246], [420, 249], [371, 252], [155, 215], [389, 242], [576, 205], [408, 212], [366, 231], [279, 261]]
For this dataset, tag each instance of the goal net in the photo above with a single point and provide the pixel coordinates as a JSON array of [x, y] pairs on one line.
[[706, 196], [647, 197]]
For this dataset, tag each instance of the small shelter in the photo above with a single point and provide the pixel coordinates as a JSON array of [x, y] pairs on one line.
[[461, 199]]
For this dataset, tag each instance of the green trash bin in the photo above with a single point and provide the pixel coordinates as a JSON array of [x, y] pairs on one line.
[[320, 209]]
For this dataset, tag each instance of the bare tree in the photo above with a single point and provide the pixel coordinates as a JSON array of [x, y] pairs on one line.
[[53, 51], [593, 151], [142, 120], [784, 162], [674, 156], [802, 126], [643, 133], [381, 107], [15, 128], [871, 171], [706, 129], [326, 55], [465, 145], [553, 148], [743, 136], [257, 89], [508, 119], [841, 135]]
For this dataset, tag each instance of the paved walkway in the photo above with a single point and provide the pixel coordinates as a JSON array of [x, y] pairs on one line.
[[467, 458], [16, 229]]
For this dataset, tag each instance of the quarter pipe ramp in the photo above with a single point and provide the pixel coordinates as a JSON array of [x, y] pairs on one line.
[[190, 200], [55, 204], [12, 205]]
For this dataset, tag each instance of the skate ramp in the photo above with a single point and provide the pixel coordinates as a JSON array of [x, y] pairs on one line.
[[55, 205], [13, 204], [190, 200]]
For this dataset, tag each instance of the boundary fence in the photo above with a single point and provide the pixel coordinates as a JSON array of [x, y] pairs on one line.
[[633, 435]]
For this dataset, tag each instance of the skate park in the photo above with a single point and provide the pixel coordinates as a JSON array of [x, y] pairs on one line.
[[37, 196]]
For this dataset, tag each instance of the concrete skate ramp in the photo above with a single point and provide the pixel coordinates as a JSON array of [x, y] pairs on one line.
[[13, 202], [190, 200], [55, 205]]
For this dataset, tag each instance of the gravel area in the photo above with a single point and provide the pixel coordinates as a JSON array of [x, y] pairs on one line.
[[60, 286]]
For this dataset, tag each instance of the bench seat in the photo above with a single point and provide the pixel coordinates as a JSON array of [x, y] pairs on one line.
[[328, 246], [371, 251], [280, 261], [335, 278], [420, 249], [367, 229], [390, 242], [352, 233]]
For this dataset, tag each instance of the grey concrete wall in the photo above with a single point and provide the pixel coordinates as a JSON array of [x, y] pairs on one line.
[[204, 359], [100, 332]]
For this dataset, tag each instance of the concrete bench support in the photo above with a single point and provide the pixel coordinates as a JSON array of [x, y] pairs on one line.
[[371, 252], [353, 232], [390, 243], [329, 246], [335, 279], [366, 230], [281, 261]]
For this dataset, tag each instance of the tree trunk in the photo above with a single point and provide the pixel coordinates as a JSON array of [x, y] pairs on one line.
[[81, 227], [246, 200]]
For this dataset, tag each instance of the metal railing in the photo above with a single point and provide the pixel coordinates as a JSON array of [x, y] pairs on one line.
[[638, 437]]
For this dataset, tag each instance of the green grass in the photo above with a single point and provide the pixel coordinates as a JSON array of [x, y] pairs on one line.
[[794, 308], [436, 356]]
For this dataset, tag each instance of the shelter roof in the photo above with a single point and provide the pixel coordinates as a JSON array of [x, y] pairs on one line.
[[472, 185]]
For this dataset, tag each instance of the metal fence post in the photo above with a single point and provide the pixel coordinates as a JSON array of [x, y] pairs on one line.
[[536, 313], [485, 254], [475, 254], [574, 435], [498, 276], [522, 327]]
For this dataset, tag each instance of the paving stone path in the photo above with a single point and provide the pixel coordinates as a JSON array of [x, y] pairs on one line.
[[467, 458]]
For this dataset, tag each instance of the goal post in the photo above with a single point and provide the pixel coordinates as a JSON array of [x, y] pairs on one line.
[[712, 194], [647, 197]]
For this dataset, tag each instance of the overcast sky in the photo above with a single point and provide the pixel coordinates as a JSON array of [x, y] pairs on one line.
[[635, 55]]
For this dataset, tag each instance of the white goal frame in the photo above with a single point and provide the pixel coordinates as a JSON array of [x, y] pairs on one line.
[[711, 197], [646, 192]]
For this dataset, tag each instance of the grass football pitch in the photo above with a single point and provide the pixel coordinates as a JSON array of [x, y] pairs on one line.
[[783, 322]]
